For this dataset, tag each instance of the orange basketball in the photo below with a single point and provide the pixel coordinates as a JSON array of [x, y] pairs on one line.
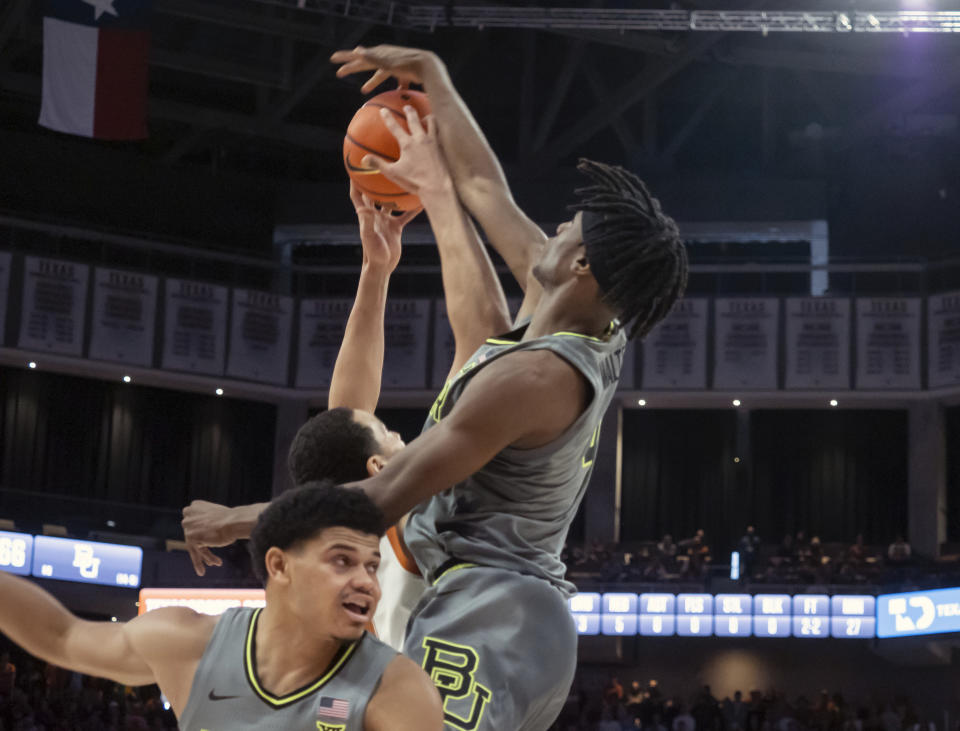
[[367, 134]]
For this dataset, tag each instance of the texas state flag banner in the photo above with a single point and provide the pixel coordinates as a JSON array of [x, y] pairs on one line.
[[95, 68]]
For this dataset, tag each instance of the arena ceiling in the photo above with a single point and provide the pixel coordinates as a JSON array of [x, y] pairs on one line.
[[246, 85]]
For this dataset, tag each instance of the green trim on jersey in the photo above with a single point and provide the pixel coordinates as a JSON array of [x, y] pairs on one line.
[[250, 666]]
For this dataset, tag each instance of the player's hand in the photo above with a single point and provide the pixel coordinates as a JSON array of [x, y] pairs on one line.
[[380, 232], [406, 65], [421, 168], [206, 525]]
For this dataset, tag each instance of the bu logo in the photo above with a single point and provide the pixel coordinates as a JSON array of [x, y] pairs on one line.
[[451, 668], [321, 726]]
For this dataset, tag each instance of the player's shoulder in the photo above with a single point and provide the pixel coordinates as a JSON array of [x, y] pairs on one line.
[[405, 690]]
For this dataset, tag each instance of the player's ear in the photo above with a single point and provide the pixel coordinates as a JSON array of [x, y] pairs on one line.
[[375, 463], [581, 266], [278, 565]]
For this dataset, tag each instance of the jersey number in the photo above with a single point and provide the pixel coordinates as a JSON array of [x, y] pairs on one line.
[[451, 668]]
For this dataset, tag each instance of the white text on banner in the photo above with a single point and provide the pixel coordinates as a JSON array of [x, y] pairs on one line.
[[406, 327], [888, 342], [943, 341], [322, 323], [124, 317], [260, 336], [675, 352], [818, 342], [54, 305], [745, 354], [195, 330]]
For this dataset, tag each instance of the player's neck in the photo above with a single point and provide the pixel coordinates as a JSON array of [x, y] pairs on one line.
[[558, 312], [288, 657]]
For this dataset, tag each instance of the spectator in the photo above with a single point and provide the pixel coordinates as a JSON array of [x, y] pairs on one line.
[[634, 699], [890, 719], [899, 551], [749, 547], [666, 547], [735, 712], [608, 722], [8, 675], [613, 693], [683, 721], [706, 710]]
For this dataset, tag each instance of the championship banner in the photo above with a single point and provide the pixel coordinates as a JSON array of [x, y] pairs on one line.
[[888, 342], [124, 315], [5, 258], [54, 305], [196, 327], [675, 351], [943, 340], [322, 323], [405, 343], [818, 342], [745, 354], [260, 336]]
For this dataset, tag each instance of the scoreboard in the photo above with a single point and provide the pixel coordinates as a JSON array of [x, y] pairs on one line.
[[726, 615], [69, 559]]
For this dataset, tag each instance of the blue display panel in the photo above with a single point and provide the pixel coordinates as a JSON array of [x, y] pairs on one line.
[[86, 561], [918, 613], [16, 552], [694, 625], [658, 625], [853, 616], [619, 603], [695, 604], [658, 604], [618, 624], [772, 615], [811, 626], [732, 626], [585, 603], [587, 624], [771, 626]]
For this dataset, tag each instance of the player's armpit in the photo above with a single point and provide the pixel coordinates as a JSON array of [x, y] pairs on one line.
[[405, 701]]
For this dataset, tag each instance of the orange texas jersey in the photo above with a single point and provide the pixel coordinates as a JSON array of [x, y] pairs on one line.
[[401, 586]]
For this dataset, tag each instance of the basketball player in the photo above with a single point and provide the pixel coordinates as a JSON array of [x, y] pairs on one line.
[[302, 662], [347, 442]]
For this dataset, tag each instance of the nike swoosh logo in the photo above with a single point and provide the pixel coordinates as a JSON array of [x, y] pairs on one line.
[[358, 169], [214, 697]]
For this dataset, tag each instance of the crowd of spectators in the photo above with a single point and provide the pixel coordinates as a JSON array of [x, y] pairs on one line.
[[37, 696], [796, 559], [614, 707]]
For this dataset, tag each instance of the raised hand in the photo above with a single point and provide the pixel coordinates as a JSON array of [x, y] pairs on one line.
[[380, 231], [421, 168], [407, 65]]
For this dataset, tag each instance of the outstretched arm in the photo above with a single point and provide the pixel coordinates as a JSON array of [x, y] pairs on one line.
[[476, 305], [475, 169], [163, 646], [359, 368]]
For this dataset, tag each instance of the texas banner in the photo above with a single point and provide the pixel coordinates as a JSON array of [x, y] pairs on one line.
[[95, 68]]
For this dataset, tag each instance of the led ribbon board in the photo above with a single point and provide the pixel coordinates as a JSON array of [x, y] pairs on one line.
[[68, 559]]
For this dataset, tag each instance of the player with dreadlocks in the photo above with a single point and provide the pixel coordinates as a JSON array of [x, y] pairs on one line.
[[495, 479]]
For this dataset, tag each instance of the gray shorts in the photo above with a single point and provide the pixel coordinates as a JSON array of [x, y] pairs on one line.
[[500, 646]]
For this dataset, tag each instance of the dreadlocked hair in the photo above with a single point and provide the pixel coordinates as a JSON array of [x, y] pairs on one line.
[[634, 245]]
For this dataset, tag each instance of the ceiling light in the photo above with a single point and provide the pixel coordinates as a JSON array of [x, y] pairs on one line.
[[219, 392], [31, 364], [642, 402], [834, 402], [736, 402], [126, 379]]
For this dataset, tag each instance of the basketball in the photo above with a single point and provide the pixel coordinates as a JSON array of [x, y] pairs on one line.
[[367, 134]]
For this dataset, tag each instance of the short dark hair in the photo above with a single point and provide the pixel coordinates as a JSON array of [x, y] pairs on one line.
[[634, 248], [331, 446], [301, 513]]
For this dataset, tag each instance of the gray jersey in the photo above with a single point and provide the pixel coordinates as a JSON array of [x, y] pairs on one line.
[[226, 694], [514, 513]]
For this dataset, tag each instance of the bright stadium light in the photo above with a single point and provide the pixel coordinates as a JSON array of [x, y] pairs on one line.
[[31, 364]]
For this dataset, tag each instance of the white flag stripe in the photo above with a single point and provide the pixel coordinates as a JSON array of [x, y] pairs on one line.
[[69, 76]]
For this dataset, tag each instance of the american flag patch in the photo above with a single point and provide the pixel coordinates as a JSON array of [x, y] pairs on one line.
[[329, 708]]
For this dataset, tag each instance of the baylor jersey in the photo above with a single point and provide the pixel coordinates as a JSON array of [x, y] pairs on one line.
[[226, 694], [514, 513]]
